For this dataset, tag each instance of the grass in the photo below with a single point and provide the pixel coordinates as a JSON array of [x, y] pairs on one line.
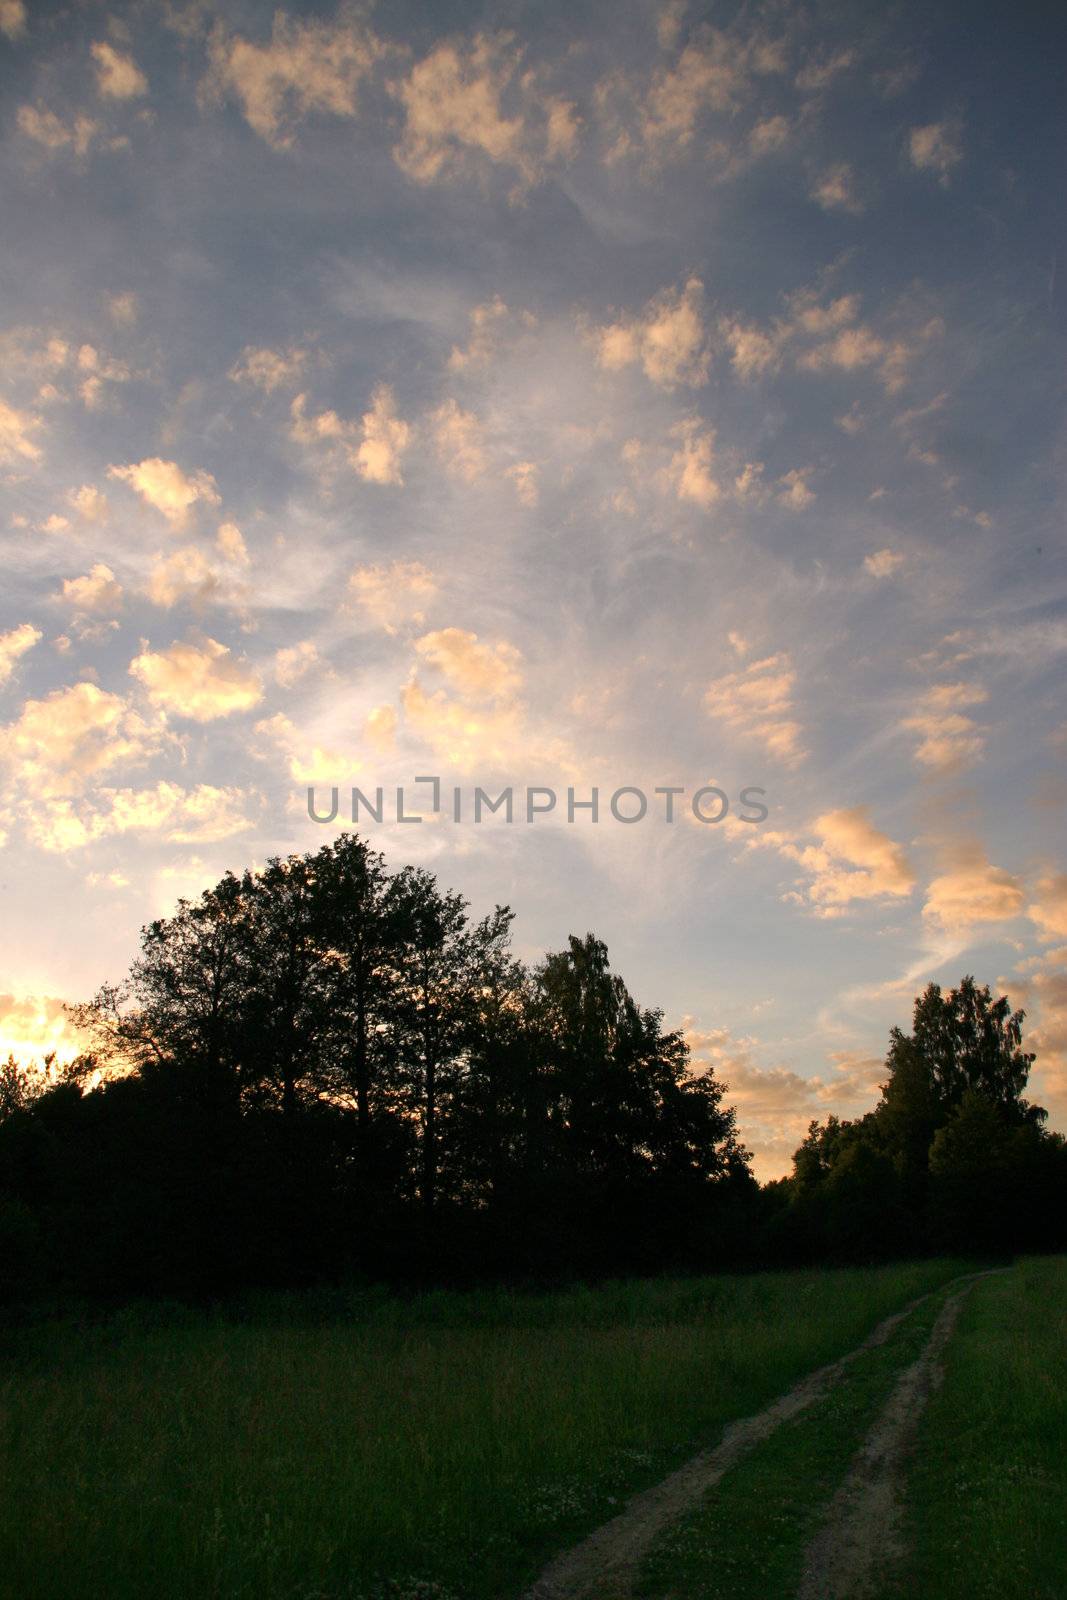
[[322, 1448], [748, 1539], [987, 1490]]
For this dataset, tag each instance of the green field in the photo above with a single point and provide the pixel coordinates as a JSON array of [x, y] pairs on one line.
[[987, 1489], [447, 1445]]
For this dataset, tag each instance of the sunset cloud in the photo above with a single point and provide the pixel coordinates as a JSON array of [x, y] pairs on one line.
[[393, 595], [14, 644], [453, 106], [118, 77], [757, 702], [948, 738], [269, 369], [483, 671], [98, 591], [58, 743], [668, 339], [460, 442], [971, 890], [936, 147], [167, 488], [16, 445], [306, 68], [201, 681]]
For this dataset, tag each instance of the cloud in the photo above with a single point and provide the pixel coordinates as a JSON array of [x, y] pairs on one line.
[[14, 644], [452, 104], [315, 764], [753, 350], [483, 671], [668, 339], [488, 735], [15, 429], [268, 369], [835, 190], [1049, 907], [98, 593], [380, 728], [295, 661], [482, 725], [307, 67], [883, 563], [45, 128], [971, 890], [123, 308], [460, 441], [843, 857], [879, 865], [524, 476], [71, 736], [385, 438], [845, 344], [689, 472], [12, 18], [89, 503], [230, 544], [824, 337], [118, 77], [185, 576], [849, 350], [937, 147], [794, 492], [810, 317], [453, 114], [163, 485], [757, 703], [204, 814], [98, 370], [713, 72], [769, 135], [372, 447], [490, 322], [949, 738], [820, 71], [201, 681], [393, 595]]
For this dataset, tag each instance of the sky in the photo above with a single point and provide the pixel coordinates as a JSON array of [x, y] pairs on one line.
[[588, 395]]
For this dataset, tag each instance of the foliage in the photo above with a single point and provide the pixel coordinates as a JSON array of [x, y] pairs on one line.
[[953, 1156]]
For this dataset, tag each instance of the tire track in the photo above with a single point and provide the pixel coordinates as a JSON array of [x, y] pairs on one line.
[[861, 1534], [603, 1565]]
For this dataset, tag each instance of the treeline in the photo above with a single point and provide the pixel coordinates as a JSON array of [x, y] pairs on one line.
[[325, 1069], [953, 1157]]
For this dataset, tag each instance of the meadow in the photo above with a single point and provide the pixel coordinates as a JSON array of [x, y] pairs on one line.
[[330, 1446], [986, 1495]]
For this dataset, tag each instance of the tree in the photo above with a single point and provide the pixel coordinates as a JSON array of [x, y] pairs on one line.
[[184, 1008], [445, 964], [967, 1040], [951, 1148]]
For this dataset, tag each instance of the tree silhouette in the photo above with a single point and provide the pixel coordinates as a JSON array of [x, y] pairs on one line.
[[326, 1067]]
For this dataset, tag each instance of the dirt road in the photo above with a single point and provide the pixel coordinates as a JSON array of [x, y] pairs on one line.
[[861, 1535], [603, 1565]]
